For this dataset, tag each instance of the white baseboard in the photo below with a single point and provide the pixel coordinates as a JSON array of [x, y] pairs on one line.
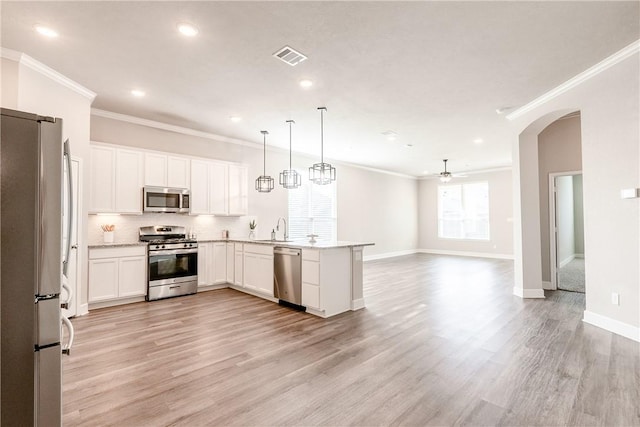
[[547, 286], [566, 261], [465, 253], [528, 293], [612, 325], [389, 255], [83, 309], [357, 304]]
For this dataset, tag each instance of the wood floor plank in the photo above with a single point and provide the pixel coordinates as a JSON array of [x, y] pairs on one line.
[[442, 341]]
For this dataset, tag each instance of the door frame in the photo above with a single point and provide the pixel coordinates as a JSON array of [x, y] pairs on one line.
[[553, 229]]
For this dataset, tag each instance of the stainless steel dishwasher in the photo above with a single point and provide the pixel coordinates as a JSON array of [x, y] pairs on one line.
[[287, 276]]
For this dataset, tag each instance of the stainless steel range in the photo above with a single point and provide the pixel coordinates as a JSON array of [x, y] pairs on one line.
[[173, 261]]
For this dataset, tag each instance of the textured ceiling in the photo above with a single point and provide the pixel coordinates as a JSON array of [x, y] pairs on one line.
[[433, 72]]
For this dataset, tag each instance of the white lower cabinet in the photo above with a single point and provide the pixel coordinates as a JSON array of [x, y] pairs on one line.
[[212, 263], [326, 280], [237, 265], [231, 257], [258, 268], [117, 273]]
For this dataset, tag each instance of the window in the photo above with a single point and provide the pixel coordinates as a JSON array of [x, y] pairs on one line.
[[463, 211], [312, 209]]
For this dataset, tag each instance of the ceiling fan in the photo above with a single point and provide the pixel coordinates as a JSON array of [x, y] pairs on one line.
[[446, 176]]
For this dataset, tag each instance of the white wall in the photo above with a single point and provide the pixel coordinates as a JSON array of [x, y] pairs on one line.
[[610, 116], [566, 225], [372, 206], [559, 150], [500, 212], [578, 215]]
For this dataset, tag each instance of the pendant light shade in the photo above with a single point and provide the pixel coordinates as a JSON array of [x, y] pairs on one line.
[[289, 178], [264, 183], [322, 173]]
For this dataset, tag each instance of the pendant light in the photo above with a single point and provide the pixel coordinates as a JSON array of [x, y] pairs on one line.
[[264, 183], [289, 178], [322, 173]]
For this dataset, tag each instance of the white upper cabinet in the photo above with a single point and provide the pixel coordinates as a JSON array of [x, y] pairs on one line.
[[218, 188], [116, 180], [178, 172], [129, 176], [161, 170], [102, 182], [199, 194], [238, 191], [155, 169]]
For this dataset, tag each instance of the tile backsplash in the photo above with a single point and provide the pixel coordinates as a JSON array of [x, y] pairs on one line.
[[204, 226]]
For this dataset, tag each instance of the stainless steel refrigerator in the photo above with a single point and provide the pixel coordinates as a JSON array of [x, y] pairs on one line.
[[32, 261]]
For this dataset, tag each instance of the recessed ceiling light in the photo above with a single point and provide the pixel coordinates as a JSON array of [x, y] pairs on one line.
[[137, 93], [425, 172], [187, 29], [46, 31], [306, 83], [408, 145], [390, 135], [478, 141], [235, 119]]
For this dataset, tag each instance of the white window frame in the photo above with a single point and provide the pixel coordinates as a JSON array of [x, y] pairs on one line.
[[312, 189], [466, 222]]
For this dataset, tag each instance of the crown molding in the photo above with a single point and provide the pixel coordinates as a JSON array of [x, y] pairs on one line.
[[39, 67], [207, 135], [612, 60], [471, 172]]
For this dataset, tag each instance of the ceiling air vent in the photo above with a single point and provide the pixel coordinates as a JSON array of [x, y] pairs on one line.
[[290, 56]]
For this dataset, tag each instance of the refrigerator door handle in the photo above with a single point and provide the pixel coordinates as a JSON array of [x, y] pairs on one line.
[[66, 349], [65, 304], [65, 263]]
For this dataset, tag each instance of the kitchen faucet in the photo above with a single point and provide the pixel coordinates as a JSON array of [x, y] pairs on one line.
[[286, 234]]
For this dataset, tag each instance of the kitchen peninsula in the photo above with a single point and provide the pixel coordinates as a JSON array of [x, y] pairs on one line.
[[331, 272]]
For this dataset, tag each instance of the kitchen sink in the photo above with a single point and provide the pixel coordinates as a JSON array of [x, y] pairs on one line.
[[274, 241]]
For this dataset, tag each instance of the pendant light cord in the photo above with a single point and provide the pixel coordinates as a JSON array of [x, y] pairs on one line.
[[264, 156], [321, 135], [290, 123]]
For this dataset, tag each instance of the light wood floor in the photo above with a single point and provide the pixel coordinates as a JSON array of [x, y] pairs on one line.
[[442, 342]]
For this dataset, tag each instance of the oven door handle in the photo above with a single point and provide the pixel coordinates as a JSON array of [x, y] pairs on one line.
[[173, 252]]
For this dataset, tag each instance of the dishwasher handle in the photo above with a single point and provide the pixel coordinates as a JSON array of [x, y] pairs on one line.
[[286, 251]]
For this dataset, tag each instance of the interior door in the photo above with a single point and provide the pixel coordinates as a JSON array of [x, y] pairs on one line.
[[74, 274]]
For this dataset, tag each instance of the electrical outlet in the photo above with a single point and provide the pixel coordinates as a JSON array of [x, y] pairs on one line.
[[615, 298]]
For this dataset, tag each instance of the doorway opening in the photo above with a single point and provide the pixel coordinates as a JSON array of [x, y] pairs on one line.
[[566, 217]]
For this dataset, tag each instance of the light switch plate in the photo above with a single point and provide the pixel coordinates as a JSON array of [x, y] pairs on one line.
[[629, 193]]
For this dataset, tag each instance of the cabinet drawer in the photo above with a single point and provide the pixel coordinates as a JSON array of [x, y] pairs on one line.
[[311, 272], [259, 249], [310, 295], [119, 252], [311, 254]]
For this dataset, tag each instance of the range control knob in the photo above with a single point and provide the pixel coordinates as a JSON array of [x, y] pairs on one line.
[[162, 246], [185, 245]]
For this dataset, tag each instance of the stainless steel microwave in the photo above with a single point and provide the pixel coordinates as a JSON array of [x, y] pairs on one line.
[[161, 199]]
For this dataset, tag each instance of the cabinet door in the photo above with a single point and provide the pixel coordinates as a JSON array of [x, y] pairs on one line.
[[203, 264], [238, 191], [231, 257], [103, 279], [129, 179], [249, 279], [132, 276], [238, 269], [264, 273], [102, 180], [178, 172], [199, 200], [155, 169], [219, 263], [218, 191]]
